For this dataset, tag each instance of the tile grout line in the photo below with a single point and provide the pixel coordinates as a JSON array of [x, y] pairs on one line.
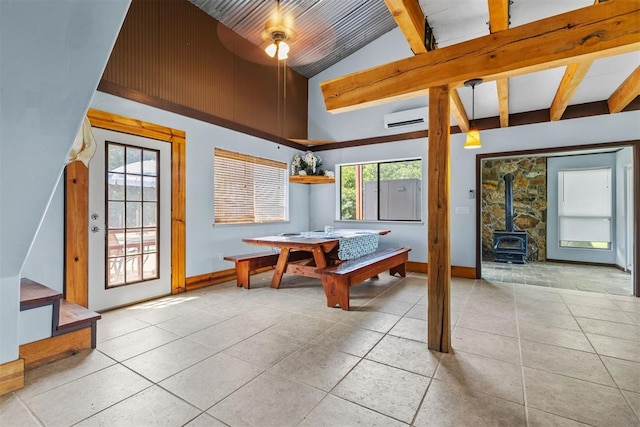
[[28, 409], [527, 419], [330, 392], [624, 396]]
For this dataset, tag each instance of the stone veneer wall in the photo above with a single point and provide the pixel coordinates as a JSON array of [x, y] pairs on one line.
[[529, 202]]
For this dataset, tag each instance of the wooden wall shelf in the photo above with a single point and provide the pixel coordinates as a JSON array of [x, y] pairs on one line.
[[311, 179]]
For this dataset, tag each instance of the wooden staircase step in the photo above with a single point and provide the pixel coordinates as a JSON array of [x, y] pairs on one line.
[[73, 327], [33, 294], [74, 316]]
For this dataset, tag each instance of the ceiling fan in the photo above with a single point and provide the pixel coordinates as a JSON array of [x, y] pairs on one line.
[[296, 30], [278, 35]]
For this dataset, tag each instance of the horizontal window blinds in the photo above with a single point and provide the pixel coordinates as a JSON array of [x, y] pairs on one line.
[[248, 189], [585, 205]]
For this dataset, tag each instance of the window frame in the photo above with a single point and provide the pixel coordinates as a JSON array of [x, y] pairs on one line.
[[281, 169], [378, 163], [586, 244], [127, 257]]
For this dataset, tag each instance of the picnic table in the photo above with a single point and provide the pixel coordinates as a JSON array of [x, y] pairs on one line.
[[323, 247]]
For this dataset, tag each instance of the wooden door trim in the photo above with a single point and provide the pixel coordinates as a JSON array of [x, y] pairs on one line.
[[77, 196]]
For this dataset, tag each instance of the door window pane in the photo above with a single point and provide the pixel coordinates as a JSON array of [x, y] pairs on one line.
[[134, 214], [149, 188], [132, 247]]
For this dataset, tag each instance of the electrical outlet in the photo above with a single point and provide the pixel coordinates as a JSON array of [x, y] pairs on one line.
[[220, 256]]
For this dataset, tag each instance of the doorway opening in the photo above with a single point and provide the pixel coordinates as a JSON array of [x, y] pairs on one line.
[[534, 213]]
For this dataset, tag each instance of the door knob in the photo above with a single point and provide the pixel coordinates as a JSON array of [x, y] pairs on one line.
[[95, 229]]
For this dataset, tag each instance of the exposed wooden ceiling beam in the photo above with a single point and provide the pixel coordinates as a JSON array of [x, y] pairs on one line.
[[503, 101], [498, 15], [499, 21], [626, 92], [592, 32], [410, 18], [572, 78], [457, 110]]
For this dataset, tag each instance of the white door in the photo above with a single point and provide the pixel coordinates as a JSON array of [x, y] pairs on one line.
[[129, 220], [629, 214]]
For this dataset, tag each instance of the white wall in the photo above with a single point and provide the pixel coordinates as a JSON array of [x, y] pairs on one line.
[[52, 56], [598, 129], [205, 241], [323, 197], [360, 123], [368, 122], [45, 262]]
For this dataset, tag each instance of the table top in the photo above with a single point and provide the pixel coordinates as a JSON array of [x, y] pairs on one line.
[[310, 237]]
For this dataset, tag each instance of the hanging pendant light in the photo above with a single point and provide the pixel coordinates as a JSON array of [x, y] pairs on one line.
[[473, 136]]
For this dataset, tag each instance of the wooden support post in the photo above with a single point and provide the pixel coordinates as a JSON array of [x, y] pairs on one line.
[[439, 268], [76, 259]]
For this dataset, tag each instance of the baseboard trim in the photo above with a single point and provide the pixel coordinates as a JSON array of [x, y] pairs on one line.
[[216, 277], [50, 349], [208, 279], [11, 376], [597, 264], [222, 276], [417, 267], [463, 272], [621, 268], [456, 271]]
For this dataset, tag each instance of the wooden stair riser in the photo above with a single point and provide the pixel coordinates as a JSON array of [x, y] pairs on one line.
[[73, 327], [58, 347]]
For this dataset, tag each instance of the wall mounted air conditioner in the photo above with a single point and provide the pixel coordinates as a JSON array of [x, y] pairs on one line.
[[417, 116]]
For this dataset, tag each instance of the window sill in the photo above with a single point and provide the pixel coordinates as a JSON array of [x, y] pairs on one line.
[[311, 179], [373, 221]]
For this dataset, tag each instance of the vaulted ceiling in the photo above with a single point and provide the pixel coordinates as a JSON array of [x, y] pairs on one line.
[[327, 31]]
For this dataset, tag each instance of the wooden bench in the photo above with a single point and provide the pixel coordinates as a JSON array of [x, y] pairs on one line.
[[336, 279], [250, 262]]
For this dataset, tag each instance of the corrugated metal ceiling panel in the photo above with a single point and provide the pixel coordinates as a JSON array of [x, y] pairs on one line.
[[325, 30]]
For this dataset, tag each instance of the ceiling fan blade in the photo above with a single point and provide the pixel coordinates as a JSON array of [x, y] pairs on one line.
[[242, 47], [310, 36]]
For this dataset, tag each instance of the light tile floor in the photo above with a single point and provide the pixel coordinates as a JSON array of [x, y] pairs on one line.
[[524, 356], [592, 278]]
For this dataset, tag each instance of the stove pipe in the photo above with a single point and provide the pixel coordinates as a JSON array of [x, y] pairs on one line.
[[508, 202]]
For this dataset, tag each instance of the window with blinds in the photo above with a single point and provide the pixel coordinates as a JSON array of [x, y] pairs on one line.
[[585, 208], [248, 189]]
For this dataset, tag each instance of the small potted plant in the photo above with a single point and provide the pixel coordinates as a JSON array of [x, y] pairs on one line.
[[306, 164]]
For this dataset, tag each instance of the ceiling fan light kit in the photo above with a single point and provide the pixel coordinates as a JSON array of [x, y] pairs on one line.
[[278, 34], [278, 45], [473, 136]]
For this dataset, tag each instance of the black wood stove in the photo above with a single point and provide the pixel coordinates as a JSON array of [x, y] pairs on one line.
[[509, 245]]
